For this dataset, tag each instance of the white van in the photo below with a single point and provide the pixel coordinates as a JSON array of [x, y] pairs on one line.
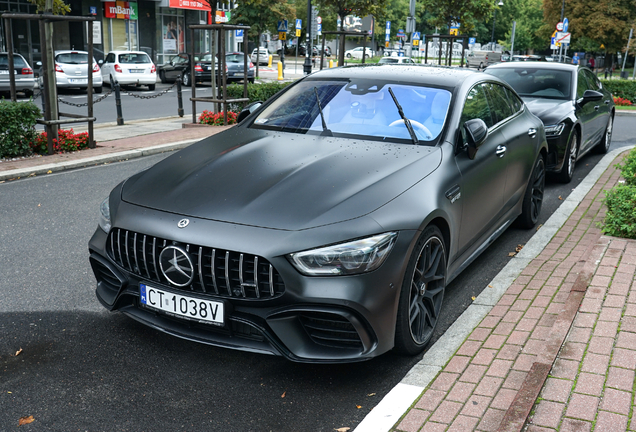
[[481, 59]]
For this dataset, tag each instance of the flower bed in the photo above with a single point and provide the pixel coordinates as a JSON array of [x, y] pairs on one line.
[[216, 119], [67, 141]]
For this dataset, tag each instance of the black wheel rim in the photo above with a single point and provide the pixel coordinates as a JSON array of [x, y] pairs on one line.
[[572, 156], [538, 185], [427, 290]]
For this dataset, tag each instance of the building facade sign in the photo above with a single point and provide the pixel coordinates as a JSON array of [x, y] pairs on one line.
[[120, 10], [189, 4]]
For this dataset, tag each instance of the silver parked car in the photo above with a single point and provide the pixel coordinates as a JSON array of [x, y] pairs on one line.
[[71, 70], [24, 80]]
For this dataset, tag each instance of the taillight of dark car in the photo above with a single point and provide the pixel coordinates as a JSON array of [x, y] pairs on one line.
[[198, 68], [27, 71]]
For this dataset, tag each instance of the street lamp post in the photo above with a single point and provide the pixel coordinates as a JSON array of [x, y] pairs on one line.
[[494, 19], [307, 65]]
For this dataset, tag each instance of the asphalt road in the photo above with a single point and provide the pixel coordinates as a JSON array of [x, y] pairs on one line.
[[82, 368]]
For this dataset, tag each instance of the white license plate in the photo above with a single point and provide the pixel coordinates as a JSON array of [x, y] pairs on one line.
[[136, 70], [78, 81], [182, 306], [6, 72]]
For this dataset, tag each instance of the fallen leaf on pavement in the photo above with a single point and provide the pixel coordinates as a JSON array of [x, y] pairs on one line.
[[473, 298], [371, 394], [18, 352], [560, 197], [519, 247], [25, 420], [358, 406], [343, 429], [284, 393], [540, 225], [511, 254]]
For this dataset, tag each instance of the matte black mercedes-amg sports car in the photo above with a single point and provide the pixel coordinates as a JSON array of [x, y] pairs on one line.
[[578, 112], [326, 225]]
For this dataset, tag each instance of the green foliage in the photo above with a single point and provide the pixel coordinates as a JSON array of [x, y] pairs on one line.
[[620, 219], [255, 92], [262, 16], [17, 127], [621, 88], [467, 12], [59, 7]]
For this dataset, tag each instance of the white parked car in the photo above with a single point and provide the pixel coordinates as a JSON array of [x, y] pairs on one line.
[[396, 60], [129, 68], [71, 70], [263, 56], [356, 53]]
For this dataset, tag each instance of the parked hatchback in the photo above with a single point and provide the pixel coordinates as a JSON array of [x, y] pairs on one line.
[[71, 70], [260, 56], [23, 73], [235, 63], [129, 68]]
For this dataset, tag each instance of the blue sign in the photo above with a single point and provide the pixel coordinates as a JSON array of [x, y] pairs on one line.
[[319, 27], [299, 24], [239, 33], [566, 23], [387, 38], [472, 41], [416, 36], [388, 25], [282, 26], [92, 10]]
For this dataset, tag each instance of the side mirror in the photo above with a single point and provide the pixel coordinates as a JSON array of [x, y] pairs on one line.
[[248, 110], [590, 96], [38, 64], [476, 132], [101, 62]]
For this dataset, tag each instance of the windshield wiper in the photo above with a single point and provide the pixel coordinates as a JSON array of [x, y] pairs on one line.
[[325, 130], [407, 122]]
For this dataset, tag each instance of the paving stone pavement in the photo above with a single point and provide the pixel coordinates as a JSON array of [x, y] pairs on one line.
[[558, 351]]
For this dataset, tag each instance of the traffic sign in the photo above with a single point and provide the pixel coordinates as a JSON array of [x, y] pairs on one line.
[[416, 36], [563, 37], [386, 44], [319, 29], [299, 24], [566, 24], [282, 26], [319, 20], [388, 25], [559, 26], [416, 42], [554, 44], [239, 35], [387, 38], [454, 31], [298, 32], [472, 41], [282, 36]]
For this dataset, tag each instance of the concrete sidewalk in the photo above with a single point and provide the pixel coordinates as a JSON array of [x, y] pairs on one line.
[[556, 349]]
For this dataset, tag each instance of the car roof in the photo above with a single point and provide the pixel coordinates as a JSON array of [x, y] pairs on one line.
[[535, 65], [70, 52], [127, 52], [439, 76]]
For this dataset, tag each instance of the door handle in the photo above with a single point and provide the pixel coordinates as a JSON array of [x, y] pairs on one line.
[[607, 101], [501, 151], [532, 132], [596, 107]]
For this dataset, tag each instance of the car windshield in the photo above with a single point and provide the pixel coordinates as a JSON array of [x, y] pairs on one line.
[[537, 83], [72, 58], [235, 58], [134, 58], [359, 108]]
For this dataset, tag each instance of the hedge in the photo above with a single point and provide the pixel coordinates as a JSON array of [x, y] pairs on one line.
[[620, 219], [255, 92], [17, 128], [621, 88]]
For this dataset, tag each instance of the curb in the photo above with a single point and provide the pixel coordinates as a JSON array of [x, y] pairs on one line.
[[95, 160], [400, 399]]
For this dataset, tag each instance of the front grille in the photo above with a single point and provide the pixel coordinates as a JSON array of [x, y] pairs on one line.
[[330, 330], [220, 272], [104, 275]]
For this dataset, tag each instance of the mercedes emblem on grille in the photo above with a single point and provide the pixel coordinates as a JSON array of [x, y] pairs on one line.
[[176, 266], [183, 223]]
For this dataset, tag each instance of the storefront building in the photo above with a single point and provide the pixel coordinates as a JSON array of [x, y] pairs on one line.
[[158, 27]]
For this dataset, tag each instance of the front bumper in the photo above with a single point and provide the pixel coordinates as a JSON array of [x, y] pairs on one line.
[[315, 319]]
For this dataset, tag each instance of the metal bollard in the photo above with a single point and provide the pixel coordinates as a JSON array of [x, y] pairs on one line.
[[120, 117], [179, 98]]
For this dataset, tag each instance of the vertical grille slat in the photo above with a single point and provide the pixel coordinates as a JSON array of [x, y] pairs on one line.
[[231, 274]]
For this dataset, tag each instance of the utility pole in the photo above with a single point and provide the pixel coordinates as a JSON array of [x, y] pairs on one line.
[[410, 24], [307, 64], [48, 79]]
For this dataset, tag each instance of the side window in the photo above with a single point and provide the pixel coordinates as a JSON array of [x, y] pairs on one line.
[[476, 106], [110, 58], [515, 102], [499, 102], [581, 84], [592, 80]]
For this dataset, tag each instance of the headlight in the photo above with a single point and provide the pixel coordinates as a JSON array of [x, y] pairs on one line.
[[554, 130], [358, 256], [104, 215]]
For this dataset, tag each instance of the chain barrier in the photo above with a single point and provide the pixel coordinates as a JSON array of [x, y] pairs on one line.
[[152, 96], [99, 99]]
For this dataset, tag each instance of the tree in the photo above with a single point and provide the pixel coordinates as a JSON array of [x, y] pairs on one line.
[[465, 12], [359, 8], [59, 7], [261, 16], [529, 18]]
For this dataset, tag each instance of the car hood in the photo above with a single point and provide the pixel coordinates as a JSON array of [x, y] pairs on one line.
[[280, 180], [550, 111]]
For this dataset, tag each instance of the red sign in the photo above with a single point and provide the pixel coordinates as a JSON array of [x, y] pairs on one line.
[[189, 4], [118, 9]]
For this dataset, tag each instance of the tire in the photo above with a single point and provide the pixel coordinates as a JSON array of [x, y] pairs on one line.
[[151, 87], [567, 171], [348, 55], [533, 198], [251, 80], [185, 80], [481, 66], [28, 93], [422, 293], [604, 145], [98, 90], [162, 77]]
